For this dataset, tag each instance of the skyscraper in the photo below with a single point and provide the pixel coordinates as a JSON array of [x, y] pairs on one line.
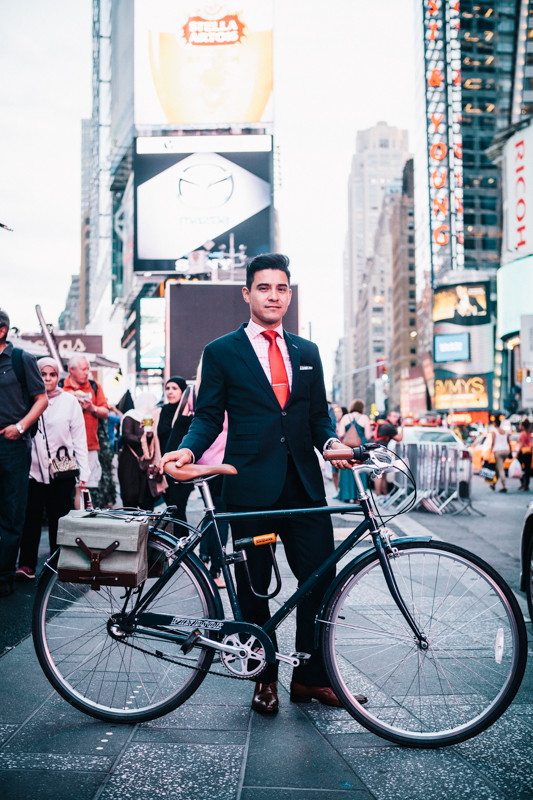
[[381, 152]]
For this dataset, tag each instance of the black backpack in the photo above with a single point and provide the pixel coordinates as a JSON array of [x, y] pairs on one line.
[[18, 369]]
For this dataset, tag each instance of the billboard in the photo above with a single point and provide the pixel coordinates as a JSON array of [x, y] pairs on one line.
[[203, 63], [518, 196], [199, 312], [413, 392], [186, 195], [464, 304], [442, 61], [152, 333], [452, 347], [461, 392]]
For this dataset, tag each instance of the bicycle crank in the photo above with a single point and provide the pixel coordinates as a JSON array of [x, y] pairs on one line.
[[243, 660]]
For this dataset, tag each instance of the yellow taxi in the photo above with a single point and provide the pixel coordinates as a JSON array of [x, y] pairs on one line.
[[481, 450]]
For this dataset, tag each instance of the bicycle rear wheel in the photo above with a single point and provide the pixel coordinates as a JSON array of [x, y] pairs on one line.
[[477, 645], [110, 679]]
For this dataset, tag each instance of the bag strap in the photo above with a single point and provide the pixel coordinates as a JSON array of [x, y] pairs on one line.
[[46, 439]]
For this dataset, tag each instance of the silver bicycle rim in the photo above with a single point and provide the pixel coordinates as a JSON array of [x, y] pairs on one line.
[[107, 675], [473, 645]]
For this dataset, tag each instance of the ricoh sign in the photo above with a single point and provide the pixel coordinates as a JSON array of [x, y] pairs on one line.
[[518, 196]]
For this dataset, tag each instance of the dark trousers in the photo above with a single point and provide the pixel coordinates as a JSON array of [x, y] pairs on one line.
[[308, 542], [208, 546], [56, 497], [177, 494], [15, 460]]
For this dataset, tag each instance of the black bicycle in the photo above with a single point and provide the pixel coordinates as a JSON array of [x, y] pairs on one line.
[[429, 632]]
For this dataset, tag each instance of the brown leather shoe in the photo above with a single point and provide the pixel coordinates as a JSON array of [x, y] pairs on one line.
[[265, 699], [324, 694]]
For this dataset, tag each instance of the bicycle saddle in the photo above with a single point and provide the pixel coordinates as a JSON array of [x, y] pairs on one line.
[[192, 472]]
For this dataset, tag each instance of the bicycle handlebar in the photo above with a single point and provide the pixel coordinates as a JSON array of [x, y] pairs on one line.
[[360, 454]]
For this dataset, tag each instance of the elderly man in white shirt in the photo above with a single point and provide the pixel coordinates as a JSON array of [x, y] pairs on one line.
[[61, 426]]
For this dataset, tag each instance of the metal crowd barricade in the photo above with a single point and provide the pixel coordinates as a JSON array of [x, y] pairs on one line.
[[443, 475]]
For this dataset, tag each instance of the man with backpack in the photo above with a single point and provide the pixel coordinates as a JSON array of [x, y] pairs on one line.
[[22, 401], [94, 406]]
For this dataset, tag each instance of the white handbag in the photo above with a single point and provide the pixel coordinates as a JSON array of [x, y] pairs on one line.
[[515, 469]]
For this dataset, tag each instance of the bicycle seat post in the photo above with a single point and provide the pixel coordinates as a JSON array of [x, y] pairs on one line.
[[206, 495]]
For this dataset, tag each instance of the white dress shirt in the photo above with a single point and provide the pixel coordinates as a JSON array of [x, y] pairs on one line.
[[261, 344]]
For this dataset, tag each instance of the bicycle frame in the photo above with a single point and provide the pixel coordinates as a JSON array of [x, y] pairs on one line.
[[369, 524]]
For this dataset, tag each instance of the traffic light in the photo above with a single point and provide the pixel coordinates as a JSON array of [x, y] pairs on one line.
[[385, 374], [519, 375], [528, 375]]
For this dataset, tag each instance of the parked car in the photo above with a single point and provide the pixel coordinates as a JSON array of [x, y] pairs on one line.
[[481, 450], [526, 561], [422, 434]]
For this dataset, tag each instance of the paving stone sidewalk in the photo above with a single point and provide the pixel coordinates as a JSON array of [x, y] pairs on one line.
[[215, 747]]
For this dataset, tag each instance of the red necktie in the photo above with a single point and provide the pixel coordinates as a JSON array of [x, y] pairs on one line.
[[280, 380]]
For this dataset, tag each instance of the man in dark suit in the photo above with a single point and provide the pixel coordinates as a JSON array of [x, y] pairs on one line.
[[271, 385]]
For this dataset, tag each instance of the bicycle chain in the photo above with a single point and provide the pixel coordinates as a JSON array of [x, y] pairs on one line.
[[161, 657]]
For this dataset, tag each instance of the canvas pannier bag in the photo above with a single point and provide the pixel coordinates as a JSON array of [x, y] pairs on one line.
[[102, 550]]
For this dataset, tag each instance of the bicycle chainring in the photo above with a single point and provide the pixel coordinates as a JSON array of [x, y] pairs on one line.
[[251, 665]]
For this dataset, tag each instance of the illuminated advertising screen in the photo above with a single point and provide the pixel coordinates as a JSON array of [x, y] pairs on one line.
[[442, 52], [184, 199], [452, 347], [203, 63], [461, 393], [518, 196], [152, 333], [464, 304]]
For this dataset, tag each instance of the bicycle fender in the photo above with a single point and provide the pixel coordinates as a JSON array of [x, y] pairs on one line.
[[51, 563], [346, 571]]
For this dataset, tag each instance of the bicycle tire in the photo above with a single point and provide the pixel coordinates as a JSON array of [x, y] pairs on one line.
[[477, 645], [528, 568], [104, 677]]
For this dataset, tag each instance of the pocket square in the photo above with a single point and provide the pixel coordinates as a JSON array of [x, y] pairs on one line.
[[303, 367]]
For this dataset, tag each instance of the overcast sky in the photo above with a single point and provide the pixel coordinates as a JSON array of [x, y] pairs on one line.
[[340, 66]]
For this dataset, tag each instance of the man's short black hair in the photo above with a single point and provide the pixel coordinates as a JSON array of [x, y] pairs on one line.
[[4, 320], [267, 261]]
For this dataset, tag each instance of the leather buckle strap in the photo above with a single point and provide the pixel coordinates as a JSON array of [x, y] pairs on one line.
[[95, 557]]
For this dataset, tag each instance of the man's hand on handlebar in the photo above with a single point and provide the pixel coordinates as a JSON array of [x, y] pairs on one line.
[[339, 463], [181, 457]]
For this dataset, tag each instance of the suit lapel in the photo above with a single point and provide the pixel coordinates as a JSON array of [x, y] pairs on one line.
[[294, 353], [248, 355]]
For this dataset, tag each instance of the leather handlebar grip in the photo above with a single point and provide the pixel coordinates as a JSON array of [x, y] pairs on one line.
[[345, 454]]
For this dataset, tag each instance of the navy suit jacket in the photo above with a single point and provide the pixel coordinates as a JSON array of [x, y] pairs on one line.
[[259, 430]]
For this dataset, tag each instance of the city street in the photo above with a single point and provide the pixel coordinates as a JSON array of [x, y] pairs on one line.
[[215, 747]]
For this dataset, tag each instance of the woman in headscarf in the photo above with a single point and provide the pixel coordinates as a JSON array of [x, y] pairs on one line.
[[174, 422], [139, 454], [60, 426]]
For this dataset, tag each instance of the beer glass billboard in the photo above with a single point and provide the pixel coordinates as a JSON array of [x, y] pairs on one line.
[[203, 63]]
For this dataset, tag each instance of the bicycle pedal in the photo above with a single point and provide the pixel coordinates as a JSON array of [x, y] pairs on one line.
[[189, 642], [303, 658]]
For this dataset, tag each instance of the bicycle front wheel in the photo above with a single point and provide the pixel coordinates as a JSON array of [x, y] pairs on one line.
[[115, 680], [477, 645]]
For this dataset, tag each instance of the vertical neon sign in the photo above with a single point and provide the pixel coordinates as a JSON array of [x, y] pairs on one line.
[[443, 120]]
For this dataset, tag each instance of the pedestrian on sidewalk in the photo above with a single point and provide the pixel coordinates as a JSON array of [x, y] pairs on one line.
[[271, 385], [23, 400], [355, 424], [387, 432], [174, 423], [524, 453], [139, 455], [92, 400], [61, 434], [501, 447]]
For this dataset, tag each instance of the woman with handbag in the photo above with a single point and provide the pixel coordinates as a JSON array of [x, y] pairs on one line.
[[58, 455], [353, 430], [139, 455], [524, 454]]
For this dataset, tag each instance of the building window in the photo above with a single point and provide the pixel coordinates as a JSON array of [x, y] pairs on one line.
[[412, 307], [411, 253], [411, 280], [488, 219], [411, 267], [413, 351], [412, 322], [413, 363], [377, 349], [383, 142], [490, 244], [411, 239], [411, 295]]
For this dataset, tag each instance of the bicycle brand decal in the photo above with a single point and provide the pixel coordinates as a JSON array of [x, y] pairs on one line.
[[198, 623]]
